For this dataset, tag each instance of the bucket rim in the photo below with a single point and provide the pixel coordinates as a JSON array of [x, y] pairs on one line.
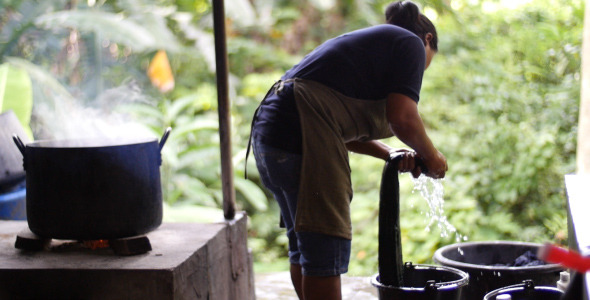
[[15, 195], [439, 258], [519, 287], [440, 286]]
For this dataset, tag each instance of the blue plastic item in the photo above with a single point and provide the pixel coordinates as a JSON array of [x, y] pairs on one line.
[[13, 205]]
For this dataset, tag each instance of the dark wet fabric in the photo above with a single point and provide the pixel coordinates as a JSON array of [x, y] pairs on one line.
[[527, 259]]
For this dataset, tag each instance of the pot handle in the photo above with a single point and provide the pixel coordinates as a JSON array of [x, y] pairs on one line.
[[165, 137], [19, 143]]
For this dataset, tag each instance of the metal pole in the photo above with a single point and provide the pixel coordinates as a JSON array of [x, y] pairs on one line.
[[227, 180]]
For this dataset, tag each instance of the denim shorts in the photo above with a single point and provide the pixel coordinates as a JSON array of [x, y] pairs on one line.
[[318, 254]]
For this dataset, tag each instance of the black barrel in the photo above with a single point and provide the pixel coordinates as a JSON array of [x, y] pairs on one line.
[[411, 282], [425, 282], [488, 264]]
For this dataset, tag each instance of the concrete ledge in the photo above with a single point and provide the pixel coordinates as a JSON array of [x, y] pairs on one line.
[[187, 261]]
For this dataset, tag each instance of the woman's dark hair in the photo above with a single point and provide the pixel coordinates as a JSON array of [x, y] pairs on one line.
[[407, 15]]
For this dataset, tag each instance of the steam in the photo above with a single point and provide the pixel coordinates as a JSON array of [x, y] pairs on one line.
[[59, 117]]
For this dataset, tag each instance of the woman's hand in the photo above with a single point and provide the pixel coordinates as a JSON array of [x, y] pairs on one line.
[[436, 166], [408, 161], [407, 125]]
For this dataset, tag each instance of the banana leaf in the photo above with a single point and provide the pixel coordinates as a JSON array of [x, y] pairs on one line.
[[16, 94], [109, 25]]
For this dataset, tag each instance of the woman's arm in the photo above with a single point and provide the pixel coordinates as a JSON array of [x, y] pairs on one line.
[[373, 148], [381, 150], [407, 125]]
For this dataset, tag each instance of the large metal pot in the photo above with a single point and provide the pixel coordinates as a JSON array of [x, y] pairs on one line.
[[93, 189]]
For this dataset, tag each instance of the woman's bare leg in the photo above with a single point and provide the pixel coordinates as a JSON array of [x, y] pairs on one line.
[[297, 280], [322, 288]]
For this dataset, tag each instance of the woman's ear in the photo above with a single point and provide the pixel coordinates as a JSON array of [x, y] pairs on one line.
[[428, 37]]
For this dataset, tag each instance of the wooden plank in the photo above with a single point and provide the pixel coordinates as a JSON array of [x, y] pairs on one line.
[[131, 245], [26, 240]]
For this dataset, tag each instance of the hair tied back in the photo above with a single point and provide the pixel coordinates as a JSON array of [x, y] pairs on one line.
[[403, 13], [406, 14]]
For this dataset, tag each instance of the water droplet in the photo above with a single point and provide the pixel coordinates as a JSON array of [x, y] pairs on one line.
[[432, 191]]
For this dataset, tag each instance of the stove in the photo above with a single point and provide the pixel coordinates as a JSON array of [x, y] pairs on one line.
[[27, 240]]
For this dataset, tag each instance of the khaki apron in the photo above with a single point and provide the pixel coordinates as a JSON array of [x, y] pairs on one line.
[[330, 119]]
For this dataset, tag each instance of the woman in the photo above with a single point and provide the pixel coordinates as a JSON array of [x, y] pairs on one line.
[[343, 96]]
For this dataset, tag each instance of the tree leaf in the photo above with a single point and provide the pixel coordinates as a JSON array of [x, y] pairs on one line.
[[192, 213], [16, 94], [196, 125], [109, 25], [40, 76], [253, 194]]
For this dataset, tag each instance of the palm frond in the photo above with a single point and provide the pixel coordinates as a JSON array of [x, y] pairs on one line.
[[113, 27]]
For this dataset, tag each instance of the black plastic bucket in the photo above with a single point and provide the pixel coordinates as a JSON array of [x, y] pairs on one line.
[[425, 282], [526, 291], [487, 265]]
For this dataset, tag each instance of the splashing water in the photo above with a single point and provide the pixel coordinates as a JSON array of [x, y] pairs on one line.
[[432, 191]]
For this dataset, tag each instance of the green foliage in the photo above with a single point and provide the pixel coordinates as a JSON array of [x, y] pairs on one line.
[[16, 95], [84, 54], [500, 100], [512, 108], [249, 57], [109, 25]]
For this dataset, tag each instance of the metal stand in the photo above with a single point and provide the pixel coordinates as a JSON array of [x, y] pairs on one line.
[[28, 241]]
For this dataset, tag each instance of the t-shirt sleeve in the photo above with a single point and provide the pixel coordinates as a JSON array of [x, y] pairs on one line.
[[409, 60]]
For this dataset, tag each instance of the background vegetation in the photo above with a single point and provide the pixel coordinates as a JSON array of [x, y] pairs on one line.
[[500, 101]]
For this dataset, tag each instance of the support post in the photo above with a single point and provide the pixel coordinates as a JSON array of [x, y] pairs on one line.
[[229, 205]]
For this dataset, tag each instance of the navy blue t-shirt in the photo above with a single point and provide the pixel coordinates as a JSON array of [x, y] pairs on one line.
[[364, 64]]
